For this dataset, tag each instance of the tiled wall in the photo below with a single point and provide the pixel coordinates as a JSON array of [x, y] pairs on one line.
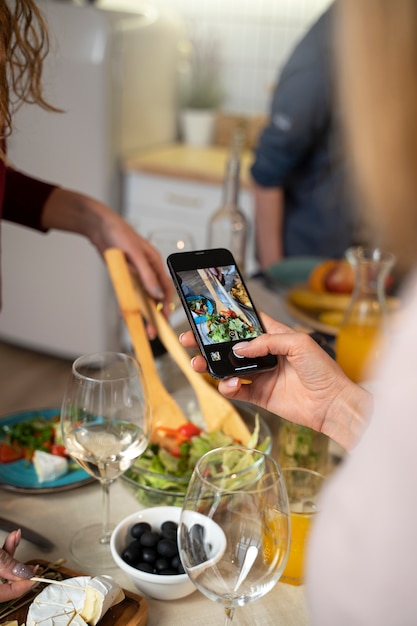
[[255, 36]]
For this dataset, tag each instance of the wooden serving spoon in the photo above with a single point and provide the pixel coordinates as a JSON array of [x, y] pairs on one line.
[[221, 306], [164, 410], [218, 412]]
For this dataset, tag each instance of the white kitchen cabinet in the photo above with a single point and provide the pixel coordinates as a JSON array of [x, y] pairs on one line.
[[161, 202]]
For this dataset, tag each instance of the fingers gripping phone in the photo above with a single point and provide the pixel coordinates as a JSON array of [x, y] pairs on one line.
[[219, 308]]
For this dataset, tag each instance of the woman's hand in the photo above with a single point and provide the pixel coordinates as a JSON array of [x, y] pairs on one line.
[[307, 386], [13, 571]]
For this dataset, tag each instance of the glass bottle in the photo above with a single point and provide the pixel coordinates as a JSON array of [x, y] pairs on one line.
[[359, 341], [228, 226]]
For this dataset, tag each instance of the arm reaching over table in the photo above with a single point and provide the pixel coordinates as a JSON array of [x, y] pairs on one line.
[[307, 387], [70, 211]]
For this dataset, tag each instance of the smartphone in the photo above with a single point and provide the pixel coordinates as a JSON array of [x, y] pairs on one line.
[[219, 308]]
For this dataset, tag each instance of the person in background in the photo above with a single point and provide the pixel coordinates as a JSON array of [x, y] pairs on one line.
[[363, 550], [303, 199], [43, 206]]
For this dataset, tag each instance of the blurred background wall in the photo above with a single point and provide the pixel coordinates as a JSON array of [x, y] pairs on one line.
[[254, 37]]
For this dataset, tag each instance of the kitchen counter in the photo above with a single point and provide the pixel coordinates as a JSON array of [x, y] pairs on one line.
[[205, 165]]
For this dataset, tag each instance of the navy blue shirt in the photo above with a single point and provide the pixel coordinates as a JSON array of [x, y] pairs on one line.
[[300, 151]]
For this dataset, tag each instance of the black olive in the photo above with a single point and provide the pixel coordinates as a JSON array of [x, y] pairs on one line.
[[149, 539], [175, 561], [138, 529], [167, 548], [168, 572], [144, 567], [148, 555], [132, 553], [169, 526], [161, 564], [170, 534], [197, 543]]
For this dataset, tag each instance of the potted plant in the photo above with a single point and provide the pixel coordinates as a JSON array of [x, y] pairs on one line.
[[201, 92]]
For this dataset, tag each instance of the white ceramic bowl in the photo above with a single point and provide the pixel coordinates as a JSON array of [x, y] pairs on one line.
[[154, 585]]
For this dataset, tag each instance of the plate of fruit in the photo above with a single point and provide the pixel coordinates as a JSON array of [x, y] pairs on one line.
[[321, 302]]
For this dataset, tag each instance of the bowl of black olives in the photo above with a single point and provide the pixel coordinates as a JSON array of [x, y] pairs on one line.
[[144, 545]]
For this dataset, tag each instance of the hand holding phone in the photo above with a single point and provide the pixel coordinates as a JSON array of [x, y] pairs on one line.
[[219, 308]]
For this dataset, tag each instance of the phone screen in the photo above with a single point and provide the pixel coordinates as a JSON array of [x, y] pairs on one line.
[[219, 308]]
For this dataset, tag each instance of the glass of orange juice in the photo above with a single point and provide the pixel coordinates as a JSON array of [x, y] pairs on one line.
[[358, 346], [303, 488]]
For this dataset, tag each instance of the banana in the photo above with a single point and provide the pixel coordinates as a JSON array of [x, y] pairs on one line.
[[331, 318], [317, 302], [320, 302]]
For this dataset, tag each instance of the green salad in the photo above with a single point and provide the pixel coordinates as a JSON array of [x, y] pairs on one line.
[[227, 326], [164, 476]]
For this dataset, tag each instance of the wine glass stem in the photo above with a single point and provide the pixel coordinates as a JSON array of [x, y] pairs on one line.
[[106, 529], [229, 616]]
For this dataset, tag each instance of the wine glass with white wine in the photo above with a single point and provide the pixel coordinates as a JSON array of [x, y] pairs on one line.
[[105, 424], [239, 494]]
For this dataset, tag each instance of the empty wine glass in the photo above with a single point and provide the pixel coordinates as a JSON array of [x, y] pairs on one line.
[[105, 425], [238, 494]]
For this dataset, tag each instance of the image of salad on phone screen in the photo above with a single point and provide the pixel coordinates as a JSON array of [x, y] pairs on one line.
[[219, 304]]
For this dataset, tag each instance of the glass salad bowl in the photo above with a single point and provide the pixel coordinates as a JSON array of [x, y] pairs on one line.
[[161, 479]]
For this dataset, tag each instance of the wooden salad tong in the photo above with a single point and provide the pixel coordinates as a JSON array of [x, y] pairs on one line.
[[218, 412], [208, 278], [164, 410]]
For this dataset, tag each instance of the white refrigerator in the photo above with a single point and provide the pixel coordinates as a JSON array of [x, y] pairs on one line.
[[112, 68]]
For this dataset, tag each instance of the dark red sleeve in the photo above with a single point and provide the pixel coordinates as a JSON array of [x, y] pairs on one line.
[[24, 199]]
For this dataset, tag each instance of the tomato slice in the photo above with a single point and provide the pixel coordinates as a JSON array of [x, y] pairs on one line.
[[8, 453], [189, 430], [58, 450]]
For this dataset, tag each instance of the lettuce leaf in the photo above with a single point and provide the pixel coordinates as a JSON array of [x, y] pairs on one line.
[[157, 465]]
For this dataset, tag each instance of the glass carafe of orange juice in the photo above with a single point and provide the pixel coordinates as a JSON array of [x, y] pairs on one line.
[[364, 327]]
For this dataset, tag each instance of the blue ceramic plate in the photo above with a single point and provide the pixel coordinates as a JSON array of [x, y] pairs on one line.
[[292, 270], [21, 475], [203, 300]]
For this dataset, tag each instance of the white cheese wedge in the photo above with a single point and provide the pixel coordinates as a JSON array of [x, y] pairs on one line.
[[83, 604], [101, 594], [57, 605], [49, 466]]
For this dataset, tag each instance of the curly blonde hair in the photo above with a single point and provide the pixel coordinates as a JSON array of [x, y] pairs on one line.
[[24, 44]]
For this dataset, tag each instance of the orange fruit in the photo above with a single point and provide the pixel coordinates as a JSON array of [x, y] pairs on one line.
[[316, 280]]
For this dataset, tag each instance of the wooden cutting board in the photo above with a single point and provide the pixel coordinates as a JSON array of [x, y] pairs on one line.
[[132, 611]]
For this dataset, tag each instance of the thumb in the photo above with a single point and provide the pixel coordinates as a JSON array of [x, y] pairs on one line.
[[287, 344]]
